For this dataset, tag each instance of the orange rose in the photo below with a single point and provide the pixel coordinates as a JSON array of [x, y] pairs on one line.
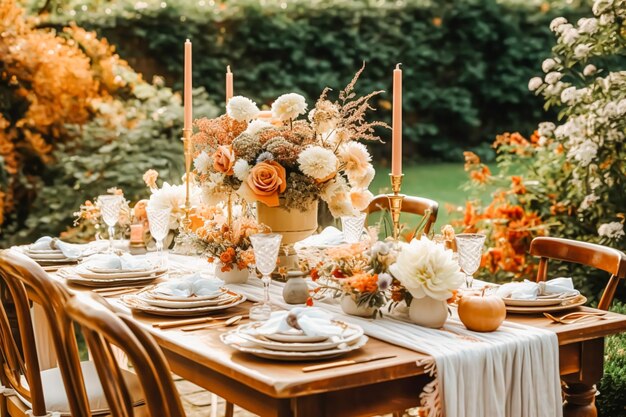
[[265, 181], [224, 159]]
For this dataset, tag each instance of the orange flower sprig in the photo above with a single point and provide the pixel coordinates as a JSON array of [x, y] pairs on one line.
[[228, 244]]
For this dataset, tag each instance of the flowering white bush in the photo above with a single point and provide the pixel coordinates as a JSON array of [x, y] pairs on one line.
[[590, 140]]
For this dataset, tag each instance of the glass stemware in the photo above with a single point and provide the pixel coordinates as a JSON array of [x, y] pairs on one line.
[[266, 247], [110, 206], [159, 222], [352, 227], [470, 249]]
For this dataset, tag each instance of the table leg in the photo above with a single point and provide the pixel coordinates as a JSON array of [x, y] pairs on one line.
[[579, 401], [579, 392]]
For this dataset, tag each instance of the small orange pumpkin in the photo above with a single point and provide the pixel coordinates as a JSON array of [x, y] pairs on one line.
[[482, 313]]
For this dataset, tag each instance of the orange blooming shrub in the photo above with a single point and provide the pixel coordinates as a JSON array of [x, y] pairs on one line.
[[509, 218], [48, 81]]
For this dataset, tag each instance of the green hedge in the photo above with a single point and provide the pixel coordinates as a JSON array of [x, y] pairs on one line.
[[466, 62]]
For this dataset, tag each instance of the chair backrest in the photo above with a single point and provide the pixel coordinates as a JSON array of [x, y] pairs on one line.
[[103, 329], [410, 204], [601, 257], [27, 282]]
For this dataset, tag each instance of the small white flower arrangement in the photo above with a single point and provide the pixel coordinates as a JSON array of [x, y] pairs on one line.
[[427, 269]]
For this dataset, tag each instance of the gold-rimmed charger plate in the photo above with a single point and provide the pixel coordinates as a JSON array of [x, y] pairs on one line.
[[137, 304], [567, 304]]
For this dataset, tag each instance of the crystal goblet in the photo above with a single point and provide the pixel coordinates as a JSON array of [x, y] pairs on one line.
[[159, 223], [110, 206], [470, 249], [266, 247], [352, 227]]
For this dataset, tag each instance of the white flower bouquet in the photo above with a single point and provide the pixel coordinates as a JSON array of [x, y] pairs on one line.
[[427, 269], [286, 161]]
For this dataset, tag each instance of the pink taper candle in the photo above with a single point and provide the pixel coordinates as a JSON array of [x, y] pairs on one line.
[[229, 84], [187, 95], [396, 121]]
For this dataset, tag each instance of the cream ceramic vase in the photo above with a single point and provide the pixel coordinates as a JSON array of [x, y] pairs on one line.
[[428, 312], [234, 276], [350, 306]]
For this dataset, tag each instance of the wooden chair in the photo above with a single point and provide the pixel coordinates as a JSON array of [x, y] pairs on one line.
[[601, 257], [36, 391], [411, 204], [103, 329]]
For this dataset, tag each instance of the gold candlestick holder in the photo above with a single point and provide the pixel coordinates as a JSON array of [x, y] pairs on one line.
[[187, 151], [395, 203]]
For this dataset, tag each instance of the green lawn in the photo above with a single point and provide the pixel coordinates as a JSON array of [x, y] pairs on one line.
[[440, 182]]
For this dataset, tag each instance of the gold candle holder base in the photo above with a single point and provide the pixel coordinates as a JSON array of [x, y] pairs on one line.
[[187, 151], [395, 203]]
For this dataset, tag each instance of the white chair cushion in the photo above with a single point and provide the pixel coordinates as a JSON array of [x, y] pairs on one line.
[[56, 398]]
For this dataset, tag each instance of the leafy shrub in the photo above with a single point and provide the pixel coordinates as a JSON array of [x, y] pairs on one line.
[[466, 62], [612, 399], [73, 125]]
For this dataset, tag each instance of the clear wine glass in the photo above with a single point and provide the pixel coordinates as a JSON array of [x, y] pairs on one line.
[[110, 206], [159, 223], [470, 249], [266, 247], [352, 227]]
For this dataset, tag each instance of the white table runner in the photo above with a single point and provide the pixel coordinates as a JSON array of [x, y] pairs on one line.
[[513, 372]]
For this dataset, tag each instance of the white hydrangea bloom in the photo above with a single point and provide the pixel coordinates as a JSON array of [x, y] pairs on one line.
[[289, 106], [548, 64], [546, 128], [553, 77], [585, 153], [242, 109], [202, 162], [607, 19], [588, 25], [535, 83], [601, 6], [241, 169], [568, 95], [556, 23], [588, 201], [570, 36], [582, 50], [612, 230], [589, 70]]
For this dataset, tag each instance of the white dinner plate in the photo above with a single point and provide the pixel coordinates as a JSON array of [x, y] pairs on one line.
[[233, 340], [225, 298], [539, 302], [46, 256], [350, 335], [295, 336], [137, 304], [564, 305], [161, 296], [99, 270], [86, 273], [68, 273]]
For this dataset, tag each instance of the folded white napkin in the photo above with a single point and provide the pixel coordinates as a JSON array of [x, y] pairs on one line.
[[529, 290], [311, 320], [48, 243], [330, 236], [124, 262], [193, 285]]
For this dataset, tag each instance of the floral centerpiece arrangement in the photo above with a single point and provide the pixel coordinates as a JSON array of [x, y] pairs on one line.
[[358, 274], [428, 276], [228, 244], [286, 161]]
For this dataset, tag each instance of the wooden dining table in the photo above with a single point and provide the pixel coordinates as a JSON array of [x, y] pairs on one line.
[[271, 388]]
